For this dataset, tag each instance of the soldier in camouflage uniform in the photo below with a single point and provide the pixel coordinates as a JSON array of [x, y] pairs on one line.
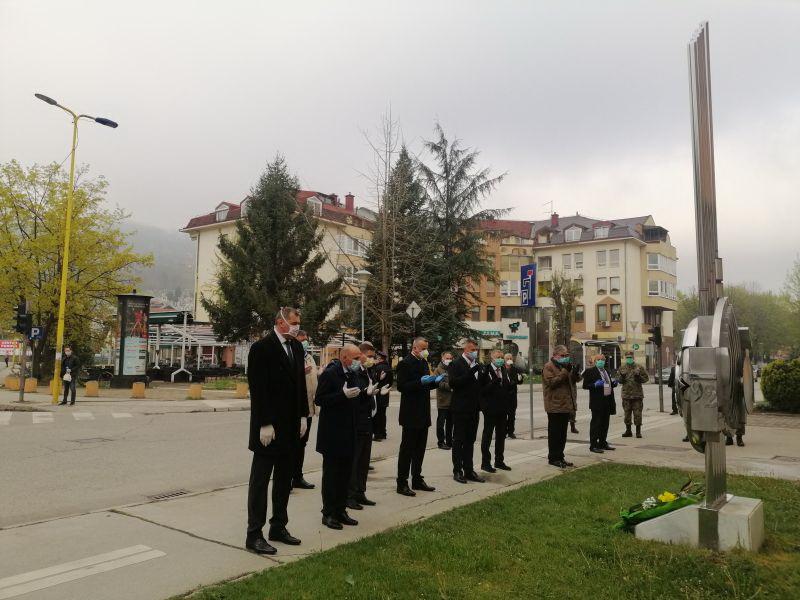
[[631, 377]]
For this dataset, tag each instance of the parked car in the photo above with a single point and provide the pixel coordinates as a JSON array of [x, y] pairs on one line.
[[664, 373]]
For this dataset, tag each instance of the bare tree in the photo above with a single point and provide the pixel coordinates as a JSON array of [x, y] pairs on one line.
[[564, 294]]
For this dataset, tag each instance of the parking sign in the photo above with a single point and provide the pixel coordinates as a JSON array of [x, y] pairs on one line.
[[527, 285]]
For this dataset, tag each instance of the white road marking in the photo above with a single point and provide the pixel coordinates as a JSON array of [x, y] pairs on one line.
[[83, 416], [5, 417], [121, 415], [42, 417], [40, 579], [217, 403]]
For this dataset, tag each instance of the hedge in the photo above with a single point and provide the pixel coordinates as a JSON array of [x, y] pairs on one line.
[[780, 382]]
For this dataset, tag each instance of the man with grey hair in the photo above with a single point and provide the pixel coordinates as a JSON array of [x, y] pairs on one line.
[[414, 382], [278, 411], [559, 377]]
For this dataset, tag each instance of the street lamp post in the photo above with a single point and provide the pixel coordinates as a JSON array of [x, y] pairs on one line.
[[62, 300], [363, 278]]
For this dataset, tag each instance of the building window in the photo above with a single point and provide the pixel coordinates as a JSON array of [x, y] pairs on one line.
[[580, 314], [490, 313], [614, 285], [514, 263], [613, 258], [601, 258], [509, 287], [490, 288], [616, 312], [545, 263], [348, 274], [602, 286], [664, 289], [573, 234], [475, 313], [221, 214], [316, 206], [578, 260], [353, 246], [652, 287], [659, 262], [511, 312], [602, 313], [566, 261], [544, 288], [601, 232], [578, 286]]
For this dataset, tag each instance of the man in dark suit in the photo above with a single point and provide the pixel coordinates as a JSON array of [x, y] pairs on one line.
[[494, 405], [515, 377], [382, 373], [338, 392], [365, 408], [464, 375], [278, 411], [601, 402], [414, 382]]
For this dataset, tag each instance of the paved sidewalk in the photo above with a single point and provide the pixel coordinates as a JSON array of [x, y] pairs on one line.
[[172, 546]]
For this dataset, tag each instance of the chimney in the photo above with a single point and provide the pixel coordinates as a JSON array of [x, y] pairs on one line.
[[554, 220], [349, 202]]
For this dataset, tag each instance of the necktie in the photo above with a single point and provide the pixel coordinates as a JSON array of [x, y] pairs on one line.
[[289, 352]]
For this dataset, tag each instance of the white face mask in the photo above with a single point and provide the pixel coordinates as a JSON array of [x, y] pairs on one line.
[[424, 354], [293, 329], [446, 362], [67, 352], [510, 363]]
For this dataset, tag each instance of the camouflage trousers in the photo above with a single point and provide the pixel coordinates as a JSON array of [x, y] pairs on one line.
[[633, 405]]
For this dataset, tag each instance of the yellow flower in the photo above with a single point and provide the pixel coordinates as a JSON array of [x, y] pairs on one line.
[[667, 497]]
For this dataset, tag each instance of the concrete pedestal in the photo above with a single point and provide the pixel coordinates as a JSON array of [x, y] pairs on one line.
[[740, 523]]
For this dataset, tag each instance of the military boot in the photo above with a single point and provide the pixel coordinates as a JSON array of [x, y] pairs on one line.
[[638, 431], [628, 432], [739, 440]]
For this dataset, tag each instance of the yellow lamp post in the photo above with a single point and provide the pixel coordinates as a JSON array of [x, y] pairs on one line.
[[62, 300]]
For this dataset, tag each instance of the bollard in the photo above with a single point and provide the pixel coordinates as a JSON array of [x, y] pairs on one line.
[[12, 383], [195, 391], [241, 389], [137, 389], [92, 389], [30, 384]]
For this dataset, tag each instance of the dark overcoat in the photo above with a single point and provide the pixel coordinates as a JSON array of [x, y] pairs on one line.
[[465, 385], [415, 397], [337, 427]]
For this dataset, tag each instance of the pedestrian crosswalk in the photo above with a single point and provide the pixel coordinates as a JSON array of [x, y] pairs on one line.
[[42, 418]]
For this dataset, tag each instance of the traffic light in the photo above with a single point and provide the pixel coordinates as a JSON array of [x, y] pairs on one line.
[[656, 337], [23, 319]]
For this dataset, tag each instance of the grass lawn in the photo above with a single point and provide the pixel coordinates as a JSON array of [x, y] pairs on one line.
[[548, 540], [223, 383]]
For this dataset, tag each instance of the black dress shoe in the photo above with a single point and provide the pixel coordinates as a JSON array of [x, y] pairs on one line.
[[596, 450], [62, 403], [281, 535], [364, 501], [608, 446], [72, 403], [302, 484], [739, 441], [260, 546], [567, 463], [331, 522], [420, 484], [728, 441], [441, 446], [370, 468], [488, 468], [557, 463], [511, 436], [503, 466], [473, 476], [404, 490], [353, 504], [685, 438], [345, 519], [459, 477], [674, 412]]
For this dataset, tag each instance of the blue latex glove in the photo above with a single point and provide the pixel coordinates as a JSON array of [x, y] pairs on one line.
[[426, 379], [439, 378], [599, 383]]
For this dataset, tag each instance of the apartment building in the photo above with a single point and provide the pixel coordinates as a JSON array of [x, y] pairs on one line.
[[625, 268], [347, 233]]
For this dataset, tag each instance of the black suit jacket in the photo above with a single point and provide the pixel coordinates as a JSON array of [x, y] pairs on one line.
[[277, 393], [597, 401], [466, 387], [338, 414], [415, 398], [495, 391], [515, 377], [365, 404], [383, 401]]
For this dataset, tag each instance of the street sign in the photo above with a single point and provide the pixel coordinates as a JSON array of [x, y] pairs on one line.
[[527, 285], [37, 333], [413, 310], [636, 346]]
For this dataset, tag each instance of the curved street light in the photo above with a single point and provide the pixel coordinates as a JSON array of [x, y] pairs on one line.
[[362, 276], [67, 230]]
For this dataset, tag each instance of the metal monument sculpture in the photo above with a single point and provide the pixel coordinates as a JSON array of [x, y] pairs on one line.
[[714, 372]]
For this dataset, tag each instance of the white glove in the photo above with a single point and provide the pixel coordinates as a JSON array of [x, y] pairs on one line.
[[351, 392], [266, 435], [303, 426], [385, 390], [372, 389]]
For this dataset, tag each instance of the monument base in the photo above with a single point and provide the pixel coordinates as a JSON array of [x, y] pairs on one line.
[[740, 524]]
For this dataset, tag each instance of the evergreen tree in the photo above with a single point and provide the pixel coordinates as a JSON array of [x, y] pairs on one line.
[[272, 263], [455, 187]]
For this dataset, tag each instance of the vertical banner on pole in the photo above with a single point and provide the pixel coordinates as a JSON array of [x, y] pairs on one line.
[[527, 286]]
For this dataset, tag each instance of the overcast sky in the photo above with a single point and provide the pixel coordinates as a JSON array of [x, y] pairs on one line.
[[585, 104]]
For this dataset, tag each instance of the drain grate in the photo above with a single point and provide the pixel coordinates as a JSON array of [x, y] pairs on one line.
[[792, 459], [168, 495], [664, 448], [94, 440]]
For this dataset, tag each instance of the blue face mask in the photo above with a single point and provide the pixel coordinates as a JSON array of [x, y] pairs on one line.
[[498, 362], [564, 360], [355, 365], [600, 364], [473, 355], [306, 345]]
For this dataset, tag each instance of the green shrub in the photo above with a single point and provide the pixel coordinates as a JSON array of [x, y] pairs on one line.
[[780, 382]]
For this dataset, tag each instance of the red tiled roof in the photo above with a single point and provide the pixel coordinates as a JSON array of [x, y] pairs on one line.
[[518, 228]]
